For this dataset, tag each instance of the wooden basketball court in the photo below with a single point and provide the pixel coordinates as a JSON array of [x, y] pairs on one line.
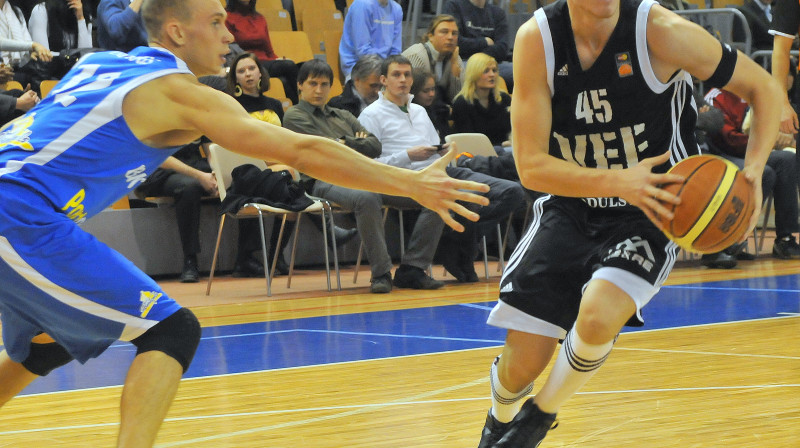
[[409, 369]]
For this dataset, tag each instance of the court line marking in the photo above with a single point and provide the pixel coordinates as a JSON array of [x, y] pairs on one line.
[[426, 354], [355, 409], [723, 288]]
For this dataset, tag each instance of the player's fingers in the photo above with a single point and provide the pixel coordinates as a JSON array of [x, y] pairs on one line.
[[658, 208], [470, 185], [657, 160], [450, 221]]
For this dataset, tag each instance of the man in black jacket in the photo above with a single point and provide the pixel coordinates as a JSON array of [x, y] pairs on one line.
[[483, 28], [362, 88]]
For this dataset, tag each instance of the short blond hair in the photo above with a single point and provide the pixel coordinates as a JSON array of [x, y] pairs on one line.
[[156, 12]]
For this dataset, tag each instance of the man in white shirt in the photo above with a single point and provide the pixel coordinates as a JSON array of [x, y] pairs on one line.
[[409, 140], [12, 26]]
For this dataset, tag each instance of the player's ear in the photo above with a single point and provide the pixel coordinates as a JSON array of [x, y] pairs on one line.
[[174, 31]]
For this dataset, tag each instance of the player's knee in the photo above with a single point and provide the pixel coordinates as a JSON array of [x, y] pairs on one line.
[[177, 336], [44, 358]]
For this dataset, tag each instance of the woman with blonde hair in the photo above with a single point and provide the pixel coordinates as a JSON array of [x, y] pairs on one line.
[[481, 106]]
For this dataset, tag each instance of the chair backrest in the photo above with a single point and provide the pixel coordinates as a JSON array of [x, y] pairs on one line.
[[223, 162], [332, 39], [46, 86], [726, 3], [336, 88], [14, 85], [268, 5], [276, 89], [292, 45], [301, 6], [316, 22], [278, 19], [474, 143]]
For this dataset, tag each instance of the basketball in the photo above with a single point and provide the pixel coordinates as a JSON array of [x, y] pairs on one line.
[[716, 205]]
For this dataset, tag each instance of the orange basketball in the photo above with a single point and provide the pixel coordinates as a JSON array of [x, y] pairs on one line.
[[716, 204]]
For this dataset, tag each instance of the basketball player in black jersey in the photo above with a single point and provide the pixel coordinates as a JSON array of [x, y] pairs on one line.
[[602, 108]]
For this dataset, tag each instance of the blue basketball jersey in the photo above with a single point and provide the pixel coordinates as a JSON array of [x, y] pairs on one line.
[[75, 148]]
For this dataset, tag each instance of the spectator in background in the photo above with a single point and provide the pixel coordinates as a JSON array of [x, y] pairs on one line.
[[483, 28], [60, 25], [13, 103], [362, 88], [480, 106], [409, 140], [370, 27], [119, 25], [312, 116], [779, 173], [438, 54], [425, 93], [247, 81], [759, 17], [250, 30]]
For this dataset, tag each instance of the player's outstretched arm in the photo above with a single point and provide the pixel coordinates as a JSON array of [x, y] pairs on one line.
[[188, 107]]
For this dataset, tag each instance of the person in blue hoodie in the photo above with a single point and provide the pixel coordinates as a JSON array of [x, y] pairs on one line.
[[370, 27]]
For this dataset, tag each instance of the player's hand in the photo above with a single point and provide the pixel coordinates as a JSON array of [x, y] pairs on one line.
[[789, 122], [435, 190], [643, 188], [754, 179]]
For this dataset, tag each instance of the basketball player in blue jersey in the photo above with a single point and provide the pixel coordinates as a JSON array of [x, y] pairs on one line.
[[601, 109], [109, 123]]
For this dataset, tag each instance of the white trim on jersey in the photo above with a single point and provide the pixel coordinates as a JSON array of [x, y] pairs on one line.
[[522, 245], [547, 40], [677, 147], [134, 326], [672, 250], [106, 111], [641, 48]]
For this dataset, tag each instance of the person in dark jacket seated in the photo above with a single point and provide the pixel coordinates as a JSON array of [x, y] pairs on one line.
[[362, 88]]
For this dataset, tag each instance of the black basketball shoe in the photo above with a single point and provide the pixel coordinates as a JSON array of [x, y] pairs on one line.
[[528, 428], [493, 430]]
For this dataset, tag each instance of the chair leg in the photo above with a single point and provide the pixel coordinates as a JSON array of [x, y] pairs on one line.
[[485, 259], [327, 205], [277, 250], [325, 247], [402, 235], [294, 250], [216, 254], [267, 275], [764, 223]]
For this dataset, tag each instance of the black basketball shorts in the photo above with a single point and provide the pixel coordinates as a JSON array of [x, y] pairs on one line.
[[567, 245]]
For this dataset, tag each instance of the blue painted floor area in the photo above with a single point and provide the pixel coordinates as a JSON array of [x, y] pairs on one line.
[[352, 337]]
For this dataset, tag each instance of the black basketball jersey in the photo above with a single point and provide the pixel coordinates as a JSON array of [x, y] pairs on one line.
[[615, 113]]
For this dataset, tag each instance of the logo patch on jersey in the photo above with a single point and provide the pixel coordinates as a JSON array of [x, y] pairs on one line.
[[17, 133], [148, 299], [624, 65], [563, 71], [508, 287], [74, 207], [635, 249], [135, 176]]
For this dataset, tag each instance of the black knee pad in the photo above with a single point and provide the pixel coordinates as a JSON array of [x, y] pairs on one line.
[[44, 358], [177, 336]]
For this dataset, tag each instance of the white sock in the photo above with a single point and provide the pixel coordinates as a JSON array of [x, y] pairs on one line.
[[576, 363], [505, 404]]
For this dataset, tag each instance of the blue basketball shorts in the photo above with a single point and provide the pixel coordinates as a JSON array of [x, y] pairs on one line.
[[58, 279]]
